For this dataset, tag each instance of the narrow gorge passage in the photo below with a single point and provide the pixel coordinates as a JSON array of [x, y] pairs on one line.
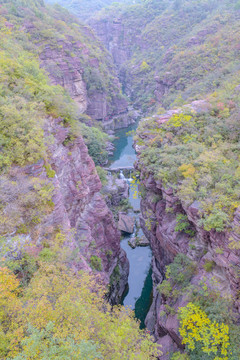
[[138, 296]]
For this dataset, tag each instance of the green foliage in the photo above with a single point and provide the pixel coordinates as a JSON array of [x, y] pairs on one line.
[[144, 67], [50, 172], [26, 100], [209, 265], [165, 288], [24, 267], [96, 263], [43, 345], [178, 276], [47, 255], [181, 270], [199, 160], [179, 356], [183, 224], [68, 317], [102, 175], [125, 205], [96, 141]]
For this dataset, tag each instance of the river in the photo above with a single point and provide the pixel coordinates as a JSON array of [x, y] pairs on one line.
[[138, 296]]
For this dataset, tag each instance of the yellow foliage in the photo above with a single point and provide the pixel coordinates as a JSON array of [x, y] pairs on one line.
[[178, 120], [197, 327], [75, 305], [187, 170]]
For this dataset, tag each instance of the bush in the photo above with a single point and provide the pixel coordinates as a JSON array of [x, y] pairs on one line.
[[102, 175], [209, 265], [196, 327], [47, 255], [183, 224], [96, 263], [165, 288], [181, 270], [96, 142]]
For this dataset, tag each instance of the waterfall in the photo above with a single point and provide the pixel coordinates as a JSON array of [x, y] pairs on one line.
[[121, 174]]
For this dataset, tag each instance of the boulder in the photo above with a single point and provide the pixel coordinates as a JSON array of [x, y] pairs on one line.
[[138, 241], [126, 223]]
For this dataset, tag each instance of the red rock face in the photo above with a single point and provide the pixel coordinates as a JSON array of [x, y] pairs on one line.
[[80, 211], [78, 197], [65, 68], [159, 225]]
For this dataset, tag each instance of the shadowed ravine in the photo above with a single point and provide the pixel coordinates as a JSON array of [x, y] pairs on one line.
[[138, 295]]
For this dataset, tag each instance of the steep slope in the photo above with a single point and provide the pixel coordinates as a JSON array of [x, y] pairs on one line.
[[188, 160], [171, 52], [49, 184], [59, 245], [72, 57]]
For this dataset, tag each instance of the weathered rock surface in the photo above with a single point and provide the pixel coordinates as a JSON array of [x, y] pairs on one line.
[[79, 211], [115, 191], [71, 62], [138, 241], [158, 222], [65, 68], [126, 223], [96, 232]]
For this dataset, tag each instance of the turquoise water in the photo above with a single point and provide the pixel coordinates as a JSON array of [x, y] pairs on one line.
[[124, 154], [138, 296]]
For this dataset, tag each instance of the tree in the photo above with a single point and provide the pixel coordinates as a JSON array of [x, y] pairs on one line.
[[196, 327]]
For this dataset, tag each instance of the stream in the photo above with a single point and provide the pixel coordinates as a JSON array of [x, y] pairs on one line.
[[139, 293]]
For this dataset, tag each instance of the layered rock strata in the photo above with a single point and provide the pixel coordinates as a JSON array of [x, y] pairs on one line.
[[158, 221], [78, 210]]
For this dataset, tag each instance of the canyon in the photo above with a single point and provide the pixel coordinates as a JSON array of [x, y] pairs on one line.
[[98, 67]]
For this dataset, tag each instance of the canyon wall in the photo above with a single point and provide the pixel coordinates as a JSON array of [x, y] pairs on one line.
[[159, 209], [76, 209], [84, 68]]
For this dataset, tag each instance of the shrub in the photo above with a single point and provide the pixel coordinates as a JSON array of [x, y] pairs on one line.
[[181, 270], [96, 263], [47, 255], [209, 265], [50, 172], [165, 288], [102, 175], [195, 327], [183, 224], [96, 142]]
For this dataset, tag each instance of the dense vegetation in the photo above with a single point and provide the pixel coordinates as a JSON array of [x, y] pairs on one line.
[[56, 28], [47, 311], [61, 315], [178, 50], [197, 154], [207, 322], [181, 50]]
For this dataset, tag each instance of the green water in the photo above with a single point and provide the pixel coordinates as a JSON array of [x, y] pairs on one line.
[[139, 294], [124, 154]]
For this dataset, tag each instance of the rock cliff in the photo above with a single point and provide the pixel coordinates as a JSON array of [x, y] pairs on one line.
[[77, 209], [64, 66], [217, 263], [75, 59]]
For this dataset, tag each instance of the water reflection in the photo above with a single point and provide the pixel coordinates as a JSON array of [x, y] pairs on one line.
[[138, 296]]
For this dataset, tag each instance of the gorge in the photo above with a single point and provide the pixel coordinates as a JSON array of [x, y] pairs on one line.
[[159, 80]]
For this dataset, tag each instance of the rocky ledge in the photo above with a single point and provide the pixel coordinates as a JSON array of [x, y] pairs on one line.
[[159, 208], [77, 209]]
